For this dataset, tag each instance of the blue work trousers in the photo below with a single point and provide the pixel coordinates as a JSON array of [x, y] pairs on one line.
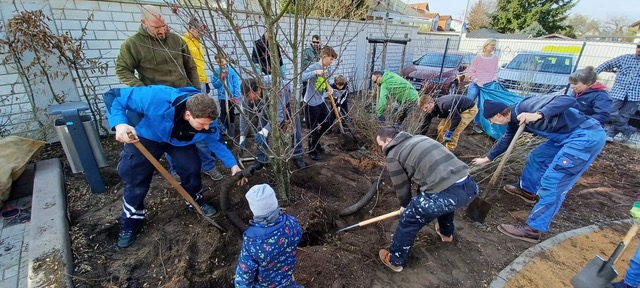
[[621, 111], [136, 172], [296, 142], [632, 278], [554, 166], [424, 208]]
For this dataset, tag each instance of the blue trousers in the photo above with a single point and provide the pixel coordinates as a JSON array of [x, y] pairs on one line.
[[632, 278], [473, 92], [424, 208], [554, 167], [207, 161], [621, 111], [136, 173], [296, 142]]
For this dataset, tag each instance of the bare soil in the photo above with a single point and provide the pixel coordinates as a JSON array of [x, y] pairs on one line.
[[177, 249]]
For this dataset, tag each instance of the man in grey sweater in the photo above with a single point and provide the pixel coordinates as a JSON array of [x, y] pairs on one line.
[[444, 185]]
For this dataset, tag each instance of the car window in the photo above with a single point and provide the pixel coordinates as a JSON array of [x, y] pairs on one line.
[[466, 60], [557, 64], [435, 60]]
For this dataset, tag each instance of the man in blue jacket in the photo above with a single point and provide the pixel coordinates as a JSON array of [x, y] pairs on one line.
[[552, 168], [174, 120]]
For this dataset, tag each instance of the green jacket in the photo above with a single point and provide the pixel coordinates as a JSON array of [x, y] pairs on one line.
[[310, 56], [393, 85], [156, 65]]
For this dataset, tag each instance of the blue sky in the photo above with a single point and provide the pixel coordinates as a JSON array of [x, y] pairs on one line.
[[598, 9]]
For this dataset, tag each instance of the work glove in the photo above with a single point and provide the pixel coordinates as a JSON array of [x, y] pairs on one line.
[[635, 212], [261, 137], [381, 118], [448, 135]]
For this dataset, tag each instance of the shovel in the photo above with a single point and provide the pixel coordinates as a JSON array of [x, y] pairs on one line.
[[372, 220], [599, 273], [174, 183], [479, 208]]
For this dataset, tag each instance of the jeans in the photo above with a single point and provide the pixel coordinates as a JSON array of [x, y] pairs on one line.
[[473, 92], [208, 162], [555, 166], [136, 172], [621, 111], [633, 273], [424, 208]]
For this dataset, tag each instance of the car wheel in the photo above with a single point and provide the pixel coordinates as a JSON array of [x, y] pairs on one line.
[[453, 88]]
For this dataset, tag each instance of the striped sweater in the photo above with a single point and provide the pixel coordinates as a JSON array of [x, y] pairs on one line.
[[424, 161]]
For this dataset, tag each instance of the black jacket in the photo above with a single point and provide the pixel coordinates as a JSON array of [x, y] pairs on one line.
[[260, 55], [447, 106]]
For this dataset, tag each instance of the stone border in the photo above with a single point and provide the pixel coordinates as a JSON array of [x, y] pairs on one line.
[[50, 259], [514, 267]]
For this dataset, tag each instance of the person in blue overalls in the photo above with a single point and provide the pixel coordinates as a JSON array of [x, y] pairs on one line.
[[573, 142]]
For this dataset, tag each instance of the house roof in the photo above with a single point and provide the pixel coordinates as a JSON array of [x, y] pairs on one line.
[[394, 6], [490, 33], [634, 24], [445, 17], [429, 15], [554, 36], [420, 6]]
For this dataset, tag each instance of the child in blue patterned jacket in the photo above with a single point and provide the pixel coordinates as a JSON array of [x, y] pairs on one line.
[[268, 255]]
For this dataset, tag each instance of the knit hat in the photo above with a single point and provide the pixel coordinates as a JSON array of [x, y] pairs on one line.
[[262, 200], [491, 108]]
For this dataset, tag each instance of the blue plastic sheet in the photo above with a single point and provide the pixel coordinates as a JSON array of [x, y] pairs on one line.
[[496, 92]]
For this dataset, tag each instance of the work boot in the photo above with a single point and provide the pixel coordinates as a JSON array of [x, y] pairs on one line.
[[521, 232], [320, 149], [620, 284], [442, 237], [524, 195], [207, 210], [127, 237], [299, 163], [609, 139], [256, 166], [385, 257], [625, 138], [314, 156], [214, 174], [477, 128]]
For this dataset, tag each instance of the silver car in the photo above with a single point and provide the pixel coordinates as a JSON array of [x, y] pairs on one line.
[[537, 73]]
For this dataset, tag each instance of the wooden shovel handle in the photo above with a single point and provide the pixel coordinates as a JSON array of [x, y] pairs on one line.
[[166, 174], [633, 231], [379, 218], [494, 178]]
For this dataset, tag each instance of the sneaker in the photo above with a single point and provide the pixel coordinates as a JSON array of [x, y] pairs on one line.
[[127, 237], [477, 129], [385, 257], [207, 210], [214, 174], [299, 163], [524, 195], [620, 284], [442, 237], [314, 156], [609, 139], [625, 138], [521, 232]]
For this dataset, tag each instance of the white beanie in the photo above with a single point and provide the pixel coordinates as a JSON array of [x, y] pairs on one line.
[[262, 200]]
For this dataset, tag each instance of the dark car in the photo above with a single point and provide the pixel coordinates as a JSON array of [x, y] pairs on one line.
[[425, 75]]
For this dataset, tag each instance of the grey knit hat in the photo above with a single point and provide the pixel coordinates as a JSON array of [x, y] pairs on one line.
[[262, 200]]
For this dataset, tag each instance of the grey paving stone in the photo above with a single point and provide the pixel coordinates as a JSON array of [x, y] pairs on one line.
[[11, 271], [11, 282]]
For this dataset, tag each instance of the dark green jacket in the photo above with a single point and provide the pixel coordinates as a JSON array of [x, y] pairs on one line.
[[158, 62], [310, 56], [424, 161]]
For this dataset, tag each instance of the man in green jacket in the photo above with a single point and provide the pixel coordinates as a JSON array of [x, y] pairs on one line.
[[393, 85], [444, 185], [159, 56]]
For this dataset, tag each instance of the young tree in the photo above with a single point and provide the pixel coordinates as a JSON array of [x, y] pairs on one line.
[[480, 15], [514, 15]]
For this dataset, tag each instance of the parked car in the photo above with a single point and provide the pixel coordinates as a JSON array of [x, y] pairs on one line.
[[425, 75], [537, 73]]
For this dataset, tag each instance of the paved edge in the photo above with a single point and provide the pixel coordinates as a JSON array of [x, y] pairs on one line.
[[49, 224], [514, 267]]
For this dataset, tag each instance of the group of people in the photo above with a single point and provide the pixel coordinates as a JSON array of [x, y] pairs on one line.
[[167, 108]]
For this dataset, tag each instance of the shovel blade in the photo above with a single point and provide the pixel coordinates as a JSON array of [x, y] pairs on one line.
[[594, 275], [478, 210]]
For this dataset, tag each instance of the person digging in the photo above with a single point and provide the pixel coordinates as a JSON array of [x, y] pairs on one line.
[[444, 186], [552, 168]]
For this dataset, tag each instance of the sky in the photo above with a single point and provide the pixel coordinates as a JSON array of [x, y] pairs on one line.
[[593, 8]]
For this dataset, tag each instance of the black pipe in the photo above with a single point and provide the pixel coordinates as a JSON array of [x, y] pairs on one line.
[[231, 214], [365, 199]]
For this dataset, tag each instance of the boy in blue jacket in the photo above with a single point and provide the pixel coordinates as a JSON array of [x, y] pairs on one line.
[[552, 168], [225, 75], [174, 120], [268, 255]]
